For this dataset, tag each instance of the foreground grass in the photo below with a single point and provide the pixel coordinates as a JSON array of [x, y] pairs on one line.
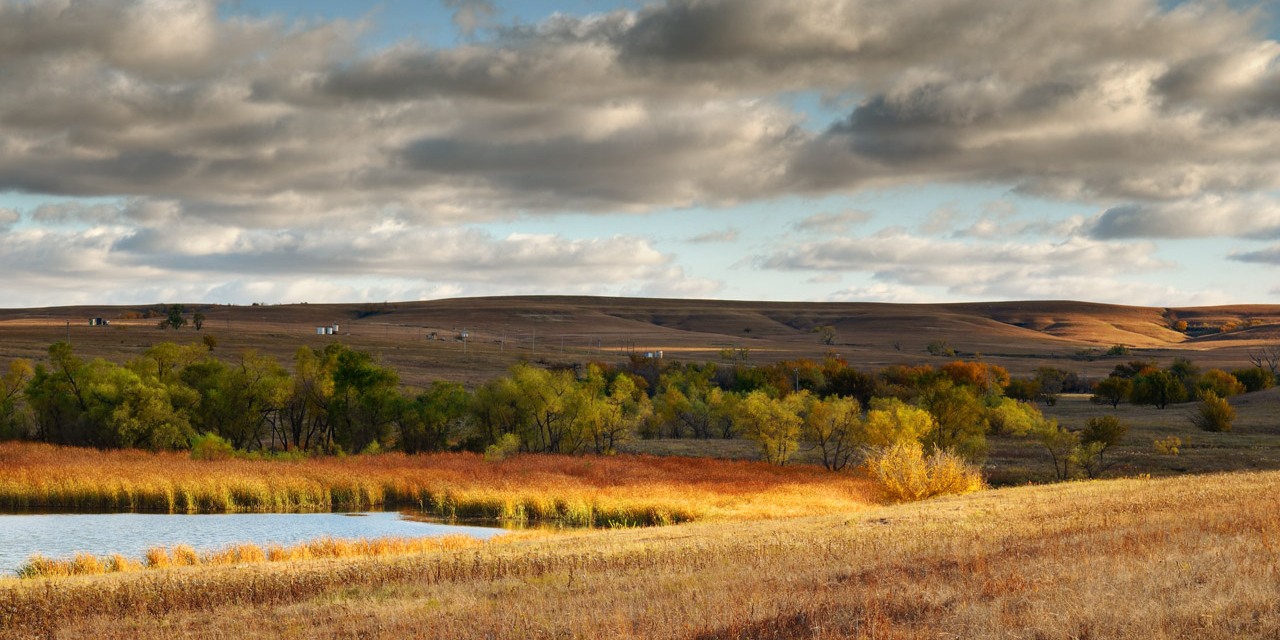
[[1166, 558], [626, 490]]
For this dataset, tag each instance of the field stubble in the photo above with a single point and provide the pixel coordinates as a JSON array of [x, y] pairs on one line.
[[1164, 558]]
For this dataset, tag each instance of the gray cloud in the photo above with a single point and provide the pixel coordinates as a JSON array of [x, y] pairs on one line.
[[726, 235], [832, 222], [1207, 216]]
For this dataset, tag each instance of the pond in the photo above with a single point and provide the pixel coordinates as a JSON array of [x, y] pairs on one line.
[[131, 534]]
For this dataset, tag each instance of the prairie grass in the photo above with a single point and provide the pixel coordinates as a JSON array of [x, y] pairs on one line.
[[1143, 558], [245, 553], [601, 491]]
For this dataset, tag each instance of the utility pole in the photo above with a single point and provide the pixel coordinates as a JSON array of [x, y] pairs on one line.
[[68, 332], [535, 340], [797, 380]]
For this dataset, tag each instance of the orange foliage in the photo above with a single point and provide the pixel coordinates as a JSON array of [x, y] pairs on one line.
[[623, 489], [982, 375]]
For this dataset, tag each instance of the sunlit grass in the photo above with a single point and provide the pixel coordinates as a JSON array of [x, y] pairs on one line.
[[600, 491]]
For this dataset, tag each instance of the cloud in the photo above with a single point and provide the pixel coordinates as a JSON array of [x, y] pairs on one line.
[[727, 235], [1256, 217], [833, 223], [1268, 255], [1074, 268], [469, 15]]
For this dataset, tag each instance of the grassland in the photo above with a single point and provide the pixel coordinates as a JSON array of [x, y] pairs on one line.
[[1137, 558], [628, 490], [1017, 335]]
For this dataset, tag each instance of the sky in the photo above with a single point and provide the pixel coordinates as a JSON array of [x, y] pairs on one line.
[[283, 151]]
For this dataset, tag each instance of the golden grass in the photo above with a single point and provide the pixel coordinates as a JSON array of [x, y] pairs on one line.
[[614, 490], [183, 555], [1160, 559]]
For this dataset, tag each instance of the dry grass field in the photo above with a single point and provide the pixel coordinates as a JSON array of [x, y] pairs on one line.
[[1017, 335], [586, 490], [1185, 557]]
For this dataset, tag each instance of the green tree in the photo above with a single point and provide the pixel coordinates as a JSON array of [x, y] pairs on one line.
[[1111, 390], [690, 403], [835, 427], [1010, 417], [197, 321], [828, 333], [364, 401], [774, 424], [13, 411], [616, 406], [551, 403], [1061, 445], [891, 421], [961, 425], [174, 318], [1099, 436], [1160, 388], [1254, 378], [1214, 413], [428, 421]]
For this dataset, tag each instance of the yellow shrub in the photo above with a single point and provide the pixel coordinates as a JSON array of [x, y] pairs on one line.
[[903, 473], [1167, 446]]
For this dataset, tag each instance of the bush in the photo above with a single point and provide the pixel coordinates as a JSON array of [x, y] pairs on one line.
[[504, 448], [1214, 413], [903, 473], [210, 447], [1254, 379], [1167, 446], [940, 348]]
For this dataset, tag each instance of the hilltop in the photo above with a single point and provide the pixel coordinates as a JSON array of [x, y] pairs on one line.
[[1018, 335]]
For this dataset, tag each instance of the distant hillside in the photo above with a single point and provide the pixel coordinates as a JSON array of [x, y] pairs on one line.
[[1020, 335]]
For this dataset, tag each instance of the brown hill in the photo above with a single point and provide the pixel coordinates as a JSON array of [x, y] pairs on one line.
[[1019, 335]]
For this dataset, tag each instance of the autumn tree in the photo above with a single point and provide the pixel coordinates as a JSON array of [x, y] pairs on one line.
[[775, 424], [428, 420], [834, 425], [1111, 390]]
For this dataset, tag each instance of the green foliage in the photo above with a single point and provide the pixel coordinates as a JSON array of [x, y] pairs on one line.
[[891, 421], [1117, 351], [1009, 417], [428, 421], [689, 403], [828, 333], [1099, 436], [209, 446], [1214, 413], [364, 401], [1060, 444], [1160, 388], [197, 320], [209, 341], [174, 318], [940, 348], [960, 421], [1028, 390], [1111, 390], [14, 416], [835, 427], [774, 424], [1254, 379], [506, 446]]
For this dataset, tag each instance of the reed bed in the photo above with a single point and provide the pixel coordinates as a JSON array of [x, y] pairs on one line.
[[182, 555], [585, 490], [1151, 559]]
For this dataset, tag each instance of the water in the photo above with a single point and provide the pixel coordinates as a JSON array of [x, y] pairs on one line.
[[131, 534]]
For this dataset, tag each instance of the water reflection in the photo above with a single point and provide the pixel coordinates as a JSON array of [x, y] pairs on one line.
[[131, 534]]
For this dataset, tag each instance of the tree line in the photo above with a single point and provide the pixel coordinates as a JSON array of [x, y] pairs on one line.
[[339, 399]]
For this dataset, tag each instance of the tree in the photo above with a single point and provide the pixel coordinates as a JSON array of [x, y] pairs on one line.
[[1267, 356], [828, 333], [774, 424], [835, 427], [1159, 388], [1214, 413], [175, 318], [13, 413], [961, 426], [1060, 443], [1010, 417], [891, 421], [1052, 381], [1221, 383], [980, 375], [1111, 390], [197, 320], [1099, 436], [1254, 378], [428, 421], [364, 400], [209, 341], [615, 407], [551, 404], [690, 403]]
